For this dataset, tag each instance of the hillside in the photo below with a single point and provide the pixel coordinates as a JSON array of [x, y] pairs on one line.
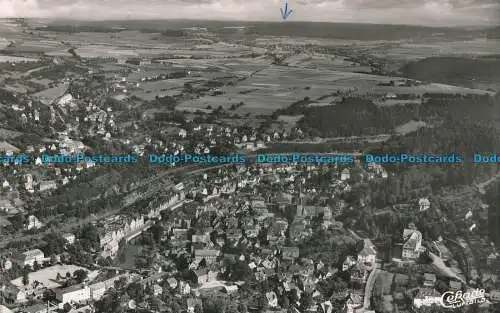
[[493, 33], [467, 72]]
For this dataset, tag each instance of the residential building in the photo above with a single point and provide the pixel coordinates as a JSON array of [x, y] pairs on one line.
[[98, 290], [359, 273], [193, 303], [73, 294], [412, 246], [47, 185], [290, 253], [427, 296], [5, 264], [70, 238], [494, 295], [429, 280], [117, 228], [455, 285], [201, 276], [424, 204], [345, 174], [29, 258], [368, 254], [33, 223], [348, 263], [209, 255], [311, 211]]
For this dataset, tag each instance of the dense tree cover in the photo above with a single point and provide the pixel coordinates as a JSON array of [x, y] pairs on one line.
[[7, 96], [54, 244], [493, 198], [110, 303], [351, 117], [461, 125], [173, 33], [334, 283], [240, 271], [71, 29], [358, 31], [88, 237], [80, 275], [327, 246], [25, 279], [461, 71], [359, 116], [493, 32]]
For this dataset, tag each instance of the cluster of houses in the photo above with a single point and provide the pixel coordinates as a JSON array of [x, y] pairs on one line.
[[125, 227], [54, 278]]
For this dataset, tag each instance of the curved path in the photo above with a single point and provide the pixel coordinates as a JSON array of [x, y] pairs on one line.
[[370, 282]]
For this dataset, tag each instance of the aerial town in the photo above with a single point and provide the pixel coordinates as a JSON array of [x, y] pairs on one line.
[[236, 238]]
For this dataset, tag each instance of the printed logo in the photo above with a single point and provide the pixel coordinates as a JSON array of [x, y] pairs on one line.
[[457, 299], [453, 299]]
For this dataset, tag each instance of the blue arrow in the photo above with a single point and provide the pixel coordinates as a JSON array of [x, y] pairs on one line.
[[285, 13]]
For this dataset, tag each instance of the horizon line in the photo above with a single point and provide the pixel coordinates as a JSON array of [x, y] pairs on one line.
[[125, 19]]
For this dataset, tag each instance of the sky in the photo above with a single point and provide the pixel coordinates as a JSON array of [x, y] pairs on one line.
[[415, 12]]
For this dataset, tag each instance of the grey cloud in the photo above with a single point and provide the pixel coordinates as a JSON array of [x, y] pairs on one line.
[[428, 12]]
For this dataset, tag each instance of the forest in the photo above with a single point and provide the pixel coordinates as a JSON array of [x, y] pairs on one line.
[[459, 71]]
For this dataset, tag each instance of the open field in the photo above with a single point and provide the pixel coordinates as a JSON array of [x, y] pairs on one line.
[[47, 276], [289, 121], [9, 134], [383, 283], [325, 62], [277, 87], [168, 87], [391, 102], [457, 48], [410, 127], [49, 95], [14, 59]]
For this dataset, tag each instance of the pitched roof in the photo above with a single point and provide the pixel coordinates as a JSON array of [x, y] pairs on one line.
[[5, 146], [411, 237], [368, 248], [428, 276], [205, 252]]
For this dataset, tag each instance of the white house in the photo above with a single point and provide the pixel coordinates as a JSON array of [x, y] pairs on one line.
[[348, 263], [412, 244], [345, 175], [182, 133], [73, 294], [33, 223], [368, 254], [47, 185], [70, 238], [98, 290], [424, 204]]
